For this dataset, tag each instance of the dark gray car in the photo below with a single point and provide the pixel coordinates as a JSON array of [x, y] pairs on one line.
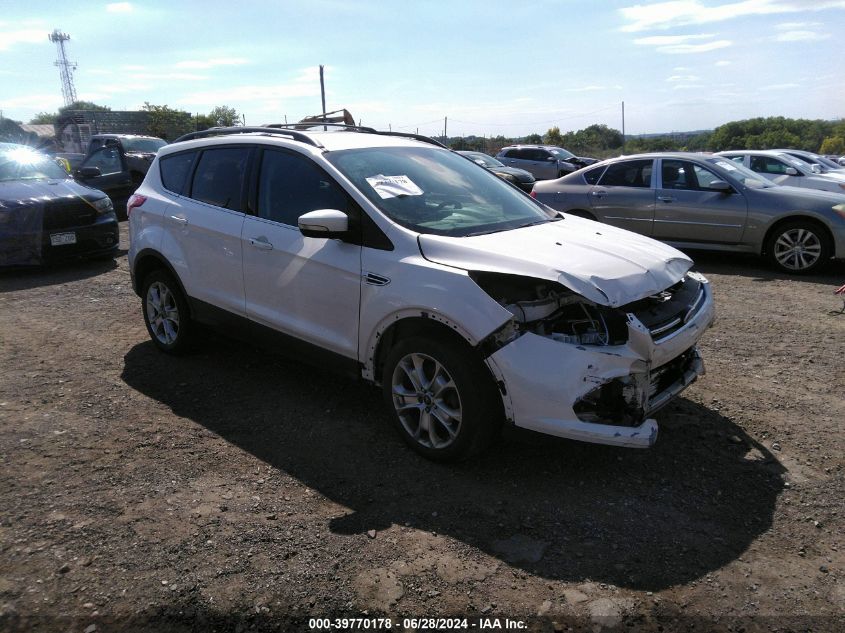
[[706, 202]]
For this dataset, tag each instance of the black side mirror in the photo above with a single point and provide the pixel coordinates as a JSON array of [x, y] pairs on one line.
[[88, 172]]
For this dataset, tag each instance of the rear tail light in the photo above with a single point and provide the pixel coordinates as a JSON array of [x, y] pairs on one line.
[[533, 195], [135, 200]]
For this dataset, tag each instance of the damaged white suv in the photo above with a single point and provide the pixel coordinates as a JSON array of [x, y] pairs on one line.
[[467, 301]]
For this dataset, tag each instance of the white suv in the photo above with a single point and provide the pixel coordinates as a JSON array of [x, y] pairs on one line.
[[468, 302]]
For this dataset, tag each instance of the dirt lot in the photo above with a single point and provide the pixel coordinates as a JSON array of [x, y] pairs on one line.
[[234, 490]]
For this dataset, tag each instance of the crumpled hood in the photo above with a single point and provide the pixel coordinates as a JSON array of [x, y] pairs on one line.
[[607, 265]]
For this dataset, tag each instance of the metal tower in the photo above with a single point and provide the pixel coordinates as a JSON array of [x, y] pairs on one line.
[[66, 67]]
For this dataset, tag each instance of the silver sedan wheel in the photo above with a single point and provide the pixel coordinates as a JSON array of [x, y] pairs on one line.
[[162, 313], [798, 249], [426, 400]]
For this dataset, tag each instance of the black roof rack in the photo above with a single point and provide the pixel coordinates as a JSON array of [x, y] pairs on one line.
[[219, 131], [355, 128], [290, 130]]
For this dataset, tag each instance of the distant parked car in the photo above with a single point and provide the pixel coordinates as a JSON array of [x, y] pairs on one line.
[[706, 202], [825, 164], [783, 169], [544, 161], [45, 215], [518, 177], [117, 164]]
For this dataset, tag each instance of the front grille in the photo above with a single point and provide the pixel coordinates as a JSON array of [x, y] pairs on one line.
[[667, 312], [68, 214]]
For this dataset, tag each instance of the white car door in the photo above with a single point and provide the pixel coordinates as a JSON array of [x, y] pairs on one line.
[[203, 236], [308, 288], [775, 170]]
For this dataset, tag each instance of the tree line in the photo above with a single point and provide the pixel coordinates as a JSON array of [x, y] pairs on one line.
[[601, 141]]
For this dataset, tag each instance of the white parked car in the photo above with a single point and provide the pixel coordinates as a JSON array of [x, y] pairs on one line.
[[468, 302], [784, 169]]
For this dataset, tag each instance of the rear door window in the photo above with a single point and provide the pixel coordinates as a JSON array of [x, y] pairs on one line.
[[592, 176], [220, 177], [629, 173]]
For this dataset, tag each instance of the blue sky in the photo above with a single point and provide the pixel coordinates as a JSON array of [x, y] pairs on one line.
[[491, 67]]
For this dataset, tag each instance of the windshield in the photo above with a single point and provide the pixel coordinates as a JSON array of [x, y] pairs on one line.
[[430, 190], [23, 163], [561, 153], [143, 145], [742, 174], [484, 159]]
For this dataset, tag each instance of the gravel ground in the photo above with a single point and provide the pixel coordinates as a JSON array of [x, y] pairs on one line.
[[235, 490]]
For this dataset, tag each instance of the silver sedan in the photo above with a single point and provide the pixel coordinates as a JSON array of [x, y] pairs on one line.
[[706, 202]]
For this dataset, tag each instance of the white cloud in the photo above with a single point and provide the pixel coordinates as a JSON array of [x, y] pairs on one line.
[[723, 62], [40, 102], [586, 89], [682, 78], [21, 36], [788, 86], [800, 36], [680, 44], [120, 7], [792, 26], [211, 63], [664, 15]]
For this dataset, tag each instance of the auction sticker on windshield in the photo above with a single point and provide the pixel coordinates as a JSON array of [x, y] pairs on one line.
[[394, 186], [59, 239]]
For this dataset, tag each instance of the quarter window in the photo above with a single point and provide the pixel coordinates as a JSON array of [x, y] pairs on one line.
[[175, 170], [630, 173], [220, 176], [290, 185], [592, 176]]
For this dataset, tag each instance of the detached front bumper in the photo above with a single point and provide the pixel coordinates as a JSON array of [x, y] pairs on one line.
[[600, 394]]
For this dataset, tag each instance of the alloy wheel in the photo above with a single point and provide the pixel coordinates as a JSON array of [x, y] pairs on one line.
[[426, 400], [797, 249], [162, 313]]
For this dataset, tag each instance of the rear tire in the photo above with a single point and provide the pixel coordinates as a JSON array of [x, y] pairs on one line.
[[166, 313], [442, 401], [799, 248]]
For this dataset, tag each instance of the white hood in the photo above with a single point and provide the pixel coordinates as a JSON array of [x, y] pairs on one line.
[[607, 265]]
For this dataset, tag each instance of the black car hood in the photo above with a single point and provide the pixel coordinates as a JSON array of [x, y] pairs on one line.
[[25, 192], [519, 174]]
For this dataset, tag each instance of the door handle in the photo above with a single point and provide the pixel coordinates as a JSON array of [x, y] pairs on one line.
[[598, 194], [179, 219], [261, 243], [665, 198]]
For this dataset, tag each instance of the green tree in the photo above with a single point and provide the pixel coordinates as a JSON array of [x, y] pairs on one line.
[[533, 139], [83, 105], [43, 118], [165, 121], [833, 145], [553, 136], [225, 116]]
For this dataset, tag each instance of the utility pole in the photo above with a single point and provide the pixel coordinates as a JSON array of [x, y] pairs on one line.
[[323, 95], [445, 121], [623, 127], [66, 67]]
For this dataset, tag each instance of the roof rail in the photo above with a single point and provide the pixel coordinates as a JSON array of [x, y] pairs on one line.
[[355, 128], [220, 131], [310, 124]]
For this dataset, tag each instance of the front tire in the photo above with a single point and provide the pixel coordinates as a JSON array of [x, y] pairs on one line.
[[166, 313], [798, 248], [443, 402]]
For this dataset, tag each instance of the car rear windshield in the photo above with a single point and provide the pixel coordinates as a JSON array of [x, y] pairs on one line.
[[26, 164], [143, 145], [431, 190]]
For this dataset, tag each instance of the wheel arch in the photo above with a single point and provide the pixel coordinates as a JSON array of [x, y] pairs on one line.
[[406, 324], [148, 260], [796, 217]]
